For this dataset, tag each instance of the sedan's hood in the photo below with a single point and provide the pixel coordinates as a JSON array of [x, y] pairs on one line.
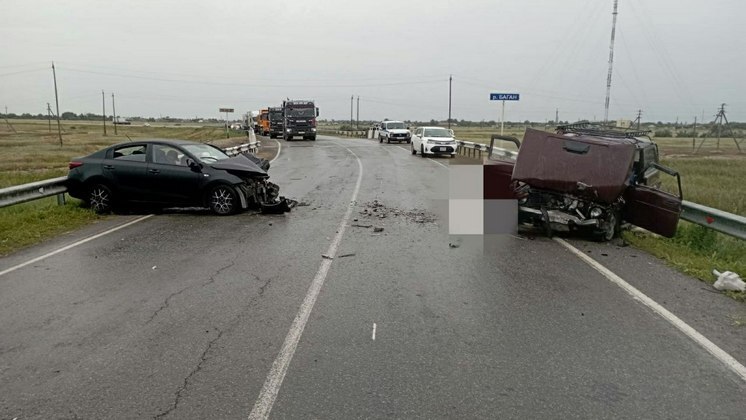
[[448, 139], [240, 163]]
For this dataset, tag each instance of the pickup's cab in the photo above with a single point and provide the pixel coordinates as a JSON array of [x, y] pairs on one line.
[[394, 131]]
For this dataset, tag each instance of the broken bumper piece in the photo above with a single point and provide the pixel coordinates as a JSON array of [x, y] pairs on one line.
[[281, 206]]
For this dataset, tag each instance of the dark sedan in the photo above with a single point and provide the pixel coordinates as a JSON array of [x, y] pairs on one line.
[[171, 173]]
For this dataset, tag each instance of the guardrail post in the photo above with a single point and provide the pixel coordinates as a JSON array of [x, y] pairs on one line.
[[61, 199]]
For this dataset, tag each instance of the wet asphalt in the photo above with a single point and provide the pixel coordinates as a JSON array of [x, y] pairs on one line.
[[182, 314]]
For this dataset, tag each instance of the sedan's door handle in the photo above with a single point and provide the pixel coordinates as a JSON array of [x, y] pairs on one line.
[[108, 166], [154, 171]]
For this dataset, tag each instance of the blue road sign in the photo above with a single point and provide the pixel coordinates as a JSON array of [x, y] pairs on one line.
[[504, 96]]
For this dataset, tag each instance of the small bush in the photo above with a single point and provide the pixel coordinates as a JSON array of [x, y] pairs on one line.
[[663, 133]]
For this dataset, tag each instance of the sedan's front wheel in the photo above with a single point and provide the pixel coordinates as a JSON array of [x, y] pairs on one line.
[[414, 152], [222, 200], [422, 151], [100, 198]]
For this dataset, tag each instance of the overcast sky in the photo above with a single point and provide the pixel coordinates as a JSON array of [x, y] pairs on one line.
[[673, 58]]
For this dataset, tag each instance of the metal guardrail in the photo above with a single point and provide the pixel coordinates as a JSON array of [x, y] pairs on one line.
[[33, 191], [727, 223], [242, 148]]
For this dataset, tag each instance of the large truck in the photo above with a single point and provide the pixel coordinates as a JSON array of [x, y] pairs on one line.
[[276, 123], [263, 121], [299, 119]]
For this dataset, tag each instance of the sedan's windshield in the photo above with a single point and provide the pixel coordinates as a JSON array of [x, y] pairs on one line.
[[437, 132], [206, 153], [395, 126]]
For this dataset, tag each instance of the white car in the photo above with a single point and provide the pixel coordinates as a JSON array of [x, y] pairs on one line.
[[394, 131], [433, 141]]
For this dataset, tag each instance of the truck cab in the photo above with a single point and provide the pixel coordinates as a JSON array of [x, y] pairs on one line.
[[299, 119]]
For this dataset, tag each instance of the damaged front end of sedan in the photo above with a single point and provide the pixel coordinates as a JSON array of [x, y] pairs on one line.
[[255, 190], [590, 179]]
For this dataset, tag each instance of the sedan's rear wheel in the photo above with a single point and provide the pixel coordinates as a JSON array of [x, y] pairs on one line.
[[100, 198], [222, 200]]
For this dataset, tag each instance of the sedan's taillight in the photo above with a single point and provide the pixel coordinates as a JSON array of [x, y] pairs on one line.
[[73, 165]]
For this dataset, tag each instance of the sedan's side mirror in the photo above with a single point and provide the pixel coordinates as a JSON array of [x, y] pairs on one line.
[[196, 167]]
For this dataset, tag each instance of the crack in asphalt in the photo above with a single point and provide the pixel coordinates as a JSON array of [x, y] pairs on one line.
[[168, 299], [185, 384], [203, 357]]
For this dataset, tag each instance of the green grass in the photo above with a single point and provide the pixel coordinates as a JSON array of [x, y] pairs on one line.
[[30, 223], [696, 251]]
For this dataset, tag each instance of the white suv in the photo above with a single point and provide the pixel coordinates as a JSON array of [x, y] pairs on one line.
[[394, 131], [433, 140]]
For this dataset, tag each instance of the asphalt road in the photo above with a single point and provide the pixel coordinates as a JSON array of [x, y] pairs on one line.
[[184, 314]]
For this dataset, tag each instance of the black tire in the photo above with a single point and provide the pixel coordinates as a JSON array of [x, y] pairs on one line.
[[422, 151], [100, 198], [222, 200], [313, 138], [388, 140], [409, 141], [610, 228], [290, 138], [380, 139], [414, 152]]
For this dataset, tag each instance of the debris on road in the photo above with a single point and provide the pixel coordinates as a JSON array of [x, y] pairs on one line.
[[361, 226], [327, 257], [352, 254], [377, 229], [452, 245], [154, 267], [377, 209], [729, 280]]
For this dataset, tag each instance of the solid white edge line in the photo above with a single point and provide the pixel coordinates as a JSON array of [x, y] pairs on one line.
[[700, 339], [374, 332], [73, 245], [279, 149], [272, 384]]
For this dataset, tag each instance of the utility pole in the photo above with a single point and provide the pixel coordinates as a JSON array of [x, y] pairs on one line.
[[352, 98], [611, 63], [556, 116], [719, 118], [49, 117], [638, 119], [694, 133], [358, 113], [103, 105], [57, 103], [450, 82], [8, 122], [114, 112]]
